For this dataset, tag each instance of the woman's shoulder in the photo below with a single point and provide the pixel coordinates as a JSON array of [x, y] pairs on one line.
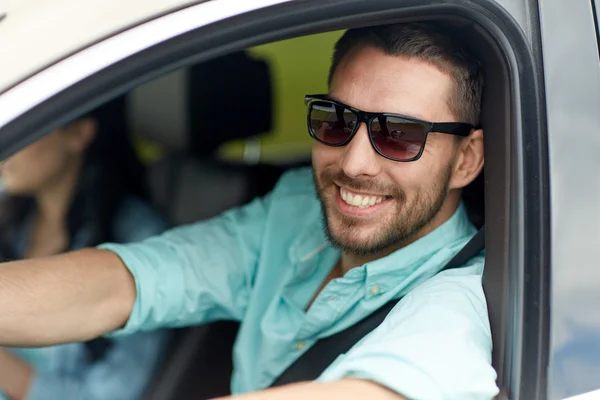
[[137, 220]]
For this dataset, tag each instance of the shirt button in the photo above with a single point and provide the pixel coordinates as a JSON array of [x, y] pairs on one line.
[[374, 290], [300, 346]]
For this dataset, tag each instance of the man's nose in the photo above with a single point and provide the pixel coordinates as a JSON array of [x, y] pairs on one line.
[[360, 158]]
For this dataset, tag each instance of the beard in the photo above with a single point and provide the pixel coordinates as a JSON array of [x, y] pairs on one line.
[[401, 225]]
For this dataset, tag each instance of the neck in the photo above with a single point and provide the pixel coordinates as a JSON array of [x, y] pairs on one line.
[[54, 200], [349, 261]]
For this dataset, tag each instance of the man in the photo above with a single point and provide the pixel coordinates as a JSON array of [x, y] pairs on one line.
[[386, 187]]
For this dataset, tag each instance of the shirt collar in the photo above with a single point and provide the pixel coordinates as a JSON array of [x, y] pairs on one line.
[[408, 260], [312, 240], [311, 237]]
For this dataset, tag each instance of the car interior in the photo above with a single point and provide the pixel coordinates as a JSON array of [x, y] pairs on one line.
[[197, 169], [192, 179]]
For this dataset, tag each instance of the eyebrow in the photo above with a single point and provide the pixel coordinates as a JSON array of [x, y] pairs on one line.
[[411, 115]]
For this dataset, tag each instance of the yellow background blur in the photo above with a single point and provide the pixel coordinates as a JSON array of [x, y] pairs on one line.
[[298, 67]]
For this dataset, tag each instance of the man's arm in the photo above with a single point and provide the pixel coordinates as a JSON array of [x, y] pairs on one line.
[[435, 344], [70, 297], [346, 389], [189, 275]]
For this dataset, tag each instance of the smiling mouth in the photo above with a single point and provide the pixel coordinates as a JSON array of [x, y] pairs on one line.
[[360, 200]]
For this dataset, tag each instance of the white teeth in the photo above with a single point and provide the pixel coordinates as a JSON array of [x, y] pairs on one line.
[[358, 200]]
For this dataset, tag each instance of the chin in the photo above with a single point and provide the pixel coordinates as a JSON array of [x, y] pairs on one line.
[[15, 189], [9, 187], [356, 237]]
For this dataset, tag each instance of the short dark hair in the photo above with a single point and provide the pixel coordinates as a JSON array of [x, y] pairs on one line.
[[431, 42]]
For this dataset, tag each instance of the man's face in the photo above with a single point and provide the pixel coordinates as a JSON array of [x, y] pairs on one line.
[[398, 199]]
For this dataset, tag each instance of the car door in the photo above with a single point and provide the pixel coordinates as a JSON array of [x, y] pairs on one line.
[[47, 88]]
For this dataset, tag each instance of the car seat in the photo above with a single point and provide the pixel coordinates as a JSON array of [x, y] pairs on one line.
[[190, 113]]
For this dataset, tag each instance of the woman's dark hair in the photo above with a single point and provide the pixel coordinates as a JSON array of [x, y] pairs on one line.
[[111, 170]]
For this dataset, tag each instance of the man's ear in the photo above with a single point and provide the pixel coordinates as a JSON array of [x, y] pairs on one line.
[[469, 160], [81, 134]]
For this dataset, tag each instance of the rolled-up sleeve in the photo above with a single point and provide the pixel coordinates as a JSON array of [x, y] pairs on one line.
[[435, 344], [196, 273]]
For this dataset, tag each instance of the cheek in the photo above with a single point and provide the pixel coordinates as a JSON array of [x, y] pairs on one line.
[[415, 177], [434, 165], [325, 156]]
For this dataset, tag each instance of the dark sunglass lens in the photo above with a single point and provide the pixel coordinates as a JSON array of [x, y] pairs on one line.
[[398, 138], [330, 123]]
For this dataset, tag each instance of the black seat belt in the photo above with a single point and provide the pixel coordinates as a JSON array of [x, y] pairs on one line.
[[316, 359]]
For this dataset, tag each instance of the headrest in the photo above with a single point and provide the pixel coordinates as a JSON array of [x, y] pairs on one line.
[[230, 98], [199, 108]]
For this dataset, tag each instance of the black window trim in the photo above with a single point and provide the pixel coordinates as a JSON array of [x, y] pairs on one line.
[[596, 17]]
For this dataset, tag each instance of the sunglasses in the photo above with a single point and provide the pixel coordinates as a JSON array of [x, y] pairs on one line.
[[393, 136]]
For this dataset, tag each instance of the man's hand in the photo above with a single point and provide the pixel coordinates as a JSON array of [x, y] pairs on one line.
[[15, 375], [346, 389]]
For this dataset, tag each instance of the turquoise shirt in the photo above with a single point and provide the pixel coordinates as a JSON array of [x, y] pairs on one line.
[[262, 263]]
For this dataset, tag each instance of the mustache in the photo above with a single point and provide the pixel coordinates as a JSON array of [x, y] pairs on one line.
[[328, 177]]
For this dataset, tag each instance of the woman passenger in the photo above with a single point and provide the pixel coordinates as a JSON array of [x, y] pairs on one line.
[[79, 186]]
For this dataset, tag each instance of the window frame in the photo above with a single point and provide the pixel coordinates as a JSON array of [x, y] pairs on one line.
[[524, 237]]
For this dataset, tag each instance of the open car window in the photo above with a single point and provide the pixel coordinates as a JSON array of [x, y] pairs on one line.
[[516, 204]]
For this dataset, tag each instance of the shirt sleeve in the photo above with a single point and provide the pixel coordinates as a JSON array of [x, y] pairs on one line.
[[435, 344], [196, 273], [123, 375]]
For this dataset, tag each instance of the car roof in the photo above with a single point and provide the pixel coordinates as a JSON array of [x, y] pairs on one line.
[[37, 33]]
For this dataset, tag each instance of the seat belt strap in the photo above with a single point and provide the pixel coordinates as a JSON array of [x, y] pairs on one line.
[[471, 249], [315, 360]]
